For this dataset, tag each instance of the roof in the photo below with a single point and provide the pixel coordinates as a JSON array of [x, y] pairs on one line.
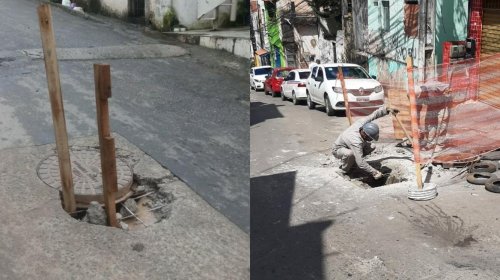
[[261, 52], [260, 67], [302, 70], [339, 64]]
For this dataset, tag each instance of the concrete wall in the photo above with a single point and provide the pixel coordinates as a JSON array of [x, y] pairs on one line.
[[117, 8], [155, 10]]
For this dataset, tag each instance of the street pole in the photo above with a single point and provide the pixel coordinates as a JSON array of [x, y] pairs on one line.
[[56, 105]]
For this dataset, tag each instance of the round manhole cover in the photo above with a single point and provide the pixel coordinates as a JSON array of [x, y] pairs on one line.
[[87, 178]]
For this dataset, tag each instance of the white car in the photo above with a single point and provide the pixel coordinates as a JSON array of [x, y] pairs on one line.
[[324, 88], [294, 85], [258, 76]]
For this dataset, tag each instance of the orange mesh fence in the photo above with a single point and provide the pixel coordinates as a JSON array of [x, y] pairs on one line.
[[457, 109]]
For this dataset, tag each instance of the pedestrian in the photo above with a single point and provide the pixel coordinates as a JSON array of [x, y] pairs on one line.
[[355, 142]]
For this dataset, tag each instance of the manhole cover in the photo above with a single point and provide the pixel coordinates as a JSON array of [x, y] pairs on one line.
[[87, 178]]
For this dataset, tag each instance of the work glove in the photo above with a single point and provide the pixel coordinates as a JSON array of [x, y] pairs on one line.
[[392, 110], [378, 175]]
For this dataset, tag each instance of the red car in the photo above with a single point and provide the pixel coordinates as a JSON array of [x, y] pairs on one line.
[[273, 83]]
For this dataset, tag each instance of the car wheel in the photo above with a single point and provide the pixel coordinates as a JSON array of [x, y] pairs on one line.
[[329, 109], [283, 97], [310, 103], [294, 99]]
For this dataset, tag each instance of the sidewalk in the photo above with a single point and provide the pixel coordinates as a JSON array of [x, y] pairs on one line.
[[41, 241], [309, 222], [233, 40]]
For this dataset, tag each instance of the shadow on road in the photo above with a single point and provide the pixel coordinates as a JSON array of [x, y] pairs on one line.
[[259, 112], [278, 250]]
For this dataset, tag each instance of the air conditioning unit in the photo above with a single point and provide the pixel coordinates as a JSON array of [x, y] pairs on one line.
[[457, 51]]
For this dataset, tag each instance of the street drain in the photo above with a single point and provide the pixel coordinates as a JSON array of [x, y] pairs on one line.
[[150, 202], [87, 177]]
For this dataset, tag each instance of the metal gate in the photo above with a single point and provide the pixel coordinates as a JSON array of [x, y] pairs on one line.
[[490, 38]]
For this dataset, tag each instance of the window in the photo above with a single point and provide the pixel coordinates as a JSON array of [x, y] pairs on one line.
[[411, 20], [313, 73], [348, 72], [331, 73], [386, 17], [263, 71], [304, 75], [320, 72]]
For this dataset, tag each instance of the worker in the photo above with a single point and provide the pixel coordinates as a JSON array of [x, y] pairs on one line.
[[355, 142]]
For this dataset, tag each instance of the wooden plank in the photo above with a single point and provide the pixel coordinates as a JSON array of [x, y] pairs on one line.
[[56, 104], [102, 80]]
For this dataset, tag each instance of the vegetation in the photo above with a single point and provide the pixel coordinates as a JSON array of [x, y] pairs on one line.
[[170, 20]]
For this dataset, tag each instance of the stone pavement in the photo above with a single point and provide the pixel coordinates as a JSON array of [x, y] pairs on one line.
[[39, 240]]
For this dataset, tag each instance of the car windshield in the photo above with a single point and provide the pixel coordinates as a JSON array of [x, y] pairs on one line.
[[348, 71], [304, 75], [263, 71], [282, 74]]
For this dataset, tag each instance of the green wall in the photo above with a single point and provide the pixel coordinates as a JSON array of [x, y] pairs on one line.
[[451, 23], [274, 34]]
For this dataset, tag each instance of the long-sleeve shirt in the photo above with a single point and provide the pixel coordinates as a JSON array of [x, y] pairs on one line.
[[351, 139]]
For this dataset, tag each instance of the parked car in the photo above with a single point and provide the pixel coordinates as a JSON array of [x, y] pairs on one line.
[[294, 85], [272, 84], [258, 75], [324, 88]]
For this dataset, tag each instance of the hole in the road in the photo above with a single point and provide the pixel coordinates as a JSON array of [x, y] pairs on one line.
[[392, 173], [150, 202]]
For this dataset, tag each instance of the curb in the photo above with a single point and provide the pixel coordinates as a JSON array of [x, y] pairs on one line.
[[236, 46], [229, 44]]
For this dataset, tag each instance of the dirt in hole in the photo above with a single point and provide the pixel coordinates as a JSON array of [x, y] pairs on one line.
[[392, 174], [151, 202]]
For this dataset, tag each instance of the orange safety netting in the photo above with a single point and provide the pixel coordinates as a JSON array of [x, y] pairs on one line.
[[457, 109]]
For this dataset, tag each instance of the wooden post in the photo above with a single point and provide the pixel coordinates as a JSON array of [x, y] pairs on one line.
[[346, 97], [414, 121], [102, 79], [56, 104]]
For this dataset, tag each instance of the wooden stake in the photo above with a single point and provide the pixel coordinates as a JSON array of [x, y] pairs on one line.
[[102, 79], [414, 121], [346, 97], [402, 127], [56, 104]]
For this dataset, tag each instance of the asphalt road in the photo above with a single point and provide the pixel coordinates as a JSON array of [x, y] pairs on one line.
[[281, 131], [189, 112]]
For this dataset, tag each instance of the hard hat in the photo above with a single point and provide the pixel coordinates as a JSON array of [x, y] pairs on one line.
[[371, 130]]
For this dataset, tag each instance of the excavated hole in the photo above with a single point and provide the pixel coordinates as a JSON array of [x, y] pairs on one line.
[[393, 172], [151, 202]]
